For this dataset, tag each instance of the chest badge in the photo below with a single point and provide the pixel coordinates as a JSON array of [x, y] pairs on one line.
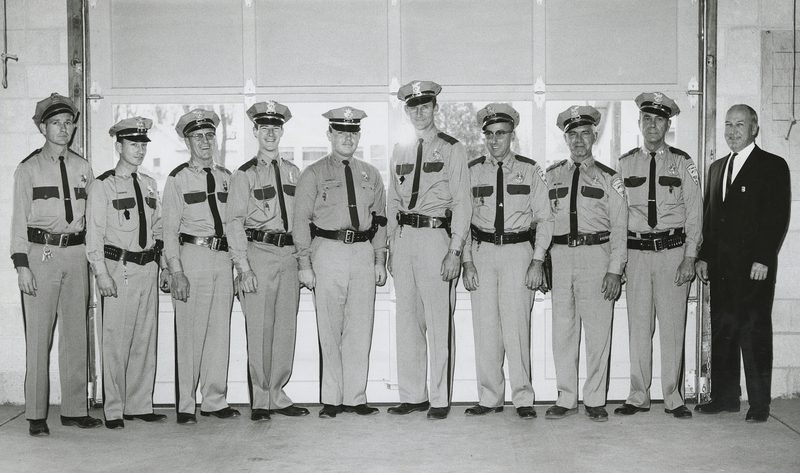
[[225, 186], [595, 179], [365, 176], [83, 180], [437, 155], [520, 177], [673, 171]]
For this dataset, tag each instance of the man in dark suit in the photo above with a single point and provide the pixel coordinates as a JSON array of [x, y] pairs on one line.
[[746, 215]]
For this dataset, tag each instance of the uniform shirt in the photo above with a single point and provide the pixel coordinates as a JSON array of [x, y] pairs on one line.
[[185, 208], [253, 203], [678, 199], [443, 183], [110, 196], [39, 197], [600, 203], [525, 202], [321, 199]]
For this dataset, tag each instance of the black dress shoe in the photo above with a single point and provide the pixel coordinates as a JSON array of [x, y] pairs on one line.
[[84, 422], [291, 411], [629, 410], [115, 424], [478, 410], [224, 413], [329, 411], [757, 416], [151, 417], [715, 407], [526, 412], [596, 414], [408, 407], [259, 414], [438, 413], [680, 412], [38, 427], [184, 418], [558, 412], [361, 409]]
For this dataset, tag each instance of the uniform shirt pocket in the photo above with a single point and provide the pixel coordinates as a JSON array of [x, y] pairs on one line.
[[288, 190], [669, 181], [151, 202], [403, 169], [124, 204], [634, 181], [592, 192], [194, 197], [518, 189], [435, 166], [264, 193], [80, 193], [482, 191], [222, 197], [558, 193]]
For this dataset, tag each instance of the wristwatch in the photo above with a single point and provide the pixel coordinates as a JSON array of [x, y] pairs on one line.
[[454, 252]]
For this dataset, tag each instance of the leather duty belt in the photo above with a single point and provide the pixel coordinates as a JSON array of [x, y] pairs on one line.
[[503, 239], [346, 236], [658, 241], [61, 240], [278, 239], [210, 242], [141, 258], [420, 221], [583, 239]]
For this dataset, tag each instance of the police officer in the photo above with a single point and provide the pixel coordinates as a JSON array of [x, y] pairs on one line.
[[341, 204], [591, 217], [429, 213], [123, 246], [511, 230], [260, 213], [47, 248], [196, 249], [664, 235]]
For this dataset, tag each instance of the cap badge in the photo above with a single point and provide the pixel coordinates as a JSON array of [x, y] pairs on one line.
[[54, 96], [574, 111], [658, 97], [270, 107], [199, 115], [140, 126], [489, 110], [415, 88], [348, 113]]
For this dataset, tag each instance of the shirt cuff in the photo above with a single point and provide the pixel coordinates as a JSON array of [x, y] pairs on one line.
[[20, 260]]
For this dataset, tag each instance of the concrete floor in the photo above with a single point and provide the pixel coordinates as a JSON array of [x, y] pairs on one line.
[[499, 442]]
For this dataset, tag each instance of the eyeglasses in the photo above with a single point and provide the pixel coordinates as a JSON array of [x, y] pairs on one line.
[[200, 136], [499, 134]]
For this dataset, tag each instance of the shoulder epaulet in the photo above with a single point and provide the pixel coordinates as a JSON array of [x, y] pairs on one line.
[[560, 163], [447, 138], [222, 168], [605, 168], [679, 152], [523, 159], [629, 153], [475, 161], [106, 175], [35, 152], [178, 169], [248, 164]]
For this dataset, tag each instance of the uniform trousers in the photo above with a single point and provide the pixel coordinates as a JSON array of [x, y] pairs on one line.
[[270, 316], [653, 294], [501, 321], [62, 295], [577, 279], [344, 297], [130, 321], [425, 306], [202, 329]]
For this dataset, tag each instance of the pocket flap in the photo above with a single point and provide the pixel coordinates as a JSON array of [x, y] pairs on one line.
[[122, 204], [264, 193], [558, 193], [222, 197], [151, 202], [288, 190], [592, 192], [669, 181], [45, 193], [518, 189], [403, 169], [433, 167], [634, 181], [482, 191], [194, 197], [80, 193]]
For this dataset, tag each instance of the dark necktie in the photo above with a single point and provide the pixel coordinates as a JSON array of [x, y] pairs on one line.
[[652, 212], [499, 214], [573, 203], [415, 184], [140, 207], [729, 178], [211, 189], [67, 195], [351, 194], [281, 201]]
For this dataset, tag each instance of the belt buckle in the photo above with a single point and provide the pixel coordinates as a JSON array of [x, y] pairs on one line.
[[63, 239], [349, 236], [578, 241], [498, 239], [658, 244], [278, 239], [414, 220], [122, 255], [215, 242]]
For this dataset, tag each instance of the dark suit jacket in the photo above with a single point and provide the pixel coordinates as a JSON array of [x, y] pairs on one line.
[[750, 224]]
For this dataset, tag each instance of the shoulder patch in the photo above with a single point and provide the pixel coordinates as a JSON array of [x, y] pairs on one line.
[[475, 161], [523, 159], [248, 164], [106, 175], [679, 152], [32, 154], [605, 168], [447, 138], [618, 186], [560, 163], [178, 169], [629, 153]]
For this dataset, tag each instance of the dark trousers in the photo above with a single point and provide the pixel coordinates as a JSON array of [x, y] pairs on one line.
[[741, 320]]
